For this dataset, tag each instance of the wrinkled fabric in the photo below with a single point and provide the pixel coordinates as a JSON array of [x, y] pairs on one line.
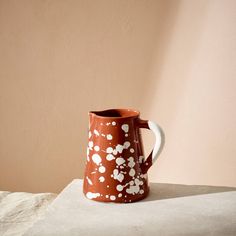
[[19, 211]]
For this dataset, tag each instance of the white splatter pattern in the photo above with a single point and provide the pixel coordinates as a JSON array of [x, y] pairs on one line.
[[113, 197], [126, 144], [90, 195], [131, 150], [119, 148], [132, 187], [89, 180], [96, 158], [131, 163], [109, 150], [96, 132], [88, 159], [101, 179], [101, 169], [120, 161], [110, 157], [109, 137], [141, 159], [119, 187], [117, 175], [90, 144], [132, 172], [125, 127]]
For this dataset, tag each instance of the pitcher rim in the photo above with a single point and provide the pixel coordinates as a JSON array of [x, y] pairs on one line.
[[133, 113]]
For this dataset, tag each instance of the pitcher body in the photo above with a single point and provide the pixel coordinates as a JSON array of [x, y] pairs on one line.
[[116, 170]]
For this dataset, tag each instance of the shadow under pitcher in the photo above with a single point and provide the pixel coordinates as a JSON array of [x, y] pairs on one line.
[[116, 170]]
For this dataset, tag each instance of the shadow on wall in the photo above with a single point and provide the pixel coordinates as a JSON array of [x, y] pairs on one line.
[[173, 56], [191, 90]]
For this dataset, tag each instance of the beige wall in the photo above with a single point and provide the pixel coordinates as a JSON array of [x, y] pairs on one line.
[[172, 60]]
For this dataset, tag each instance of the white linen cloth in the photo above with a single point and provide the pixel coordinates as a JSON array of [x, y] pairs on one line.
[[19, 211]]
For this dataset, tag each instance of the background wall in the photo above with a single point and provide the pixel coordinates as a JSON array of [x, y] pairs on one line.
[[172, 60]]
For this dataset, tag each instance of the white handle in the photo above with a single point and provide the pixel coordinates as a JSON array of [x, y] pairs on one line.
[[159, 143], [160, 139]]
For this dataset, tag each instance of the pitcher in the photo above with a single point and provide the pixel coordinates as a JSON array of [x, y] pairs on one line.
[[116, 170]]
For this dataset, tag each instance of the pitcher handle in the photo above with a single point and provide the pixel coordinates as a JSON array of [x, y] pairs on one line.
[[159, 143]]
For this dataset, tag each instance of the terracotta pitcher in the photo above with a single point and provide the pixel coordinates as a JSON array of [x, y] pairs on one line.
[[116, 170]]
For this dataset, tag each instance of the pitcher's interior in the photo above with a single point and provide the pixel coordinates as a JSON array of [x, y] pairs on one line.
[[116, 113]]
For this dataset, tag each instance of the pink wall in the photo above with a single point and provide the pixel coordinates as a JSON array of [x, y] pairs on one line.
[[172, 60]]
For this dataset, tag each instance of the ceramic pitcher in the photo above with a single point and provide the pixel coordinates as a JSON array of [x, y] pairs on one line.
[[116, 169]]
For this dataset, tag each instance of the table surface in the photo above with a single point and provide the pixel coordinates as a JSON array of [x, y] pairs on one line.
[[170, 209]]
